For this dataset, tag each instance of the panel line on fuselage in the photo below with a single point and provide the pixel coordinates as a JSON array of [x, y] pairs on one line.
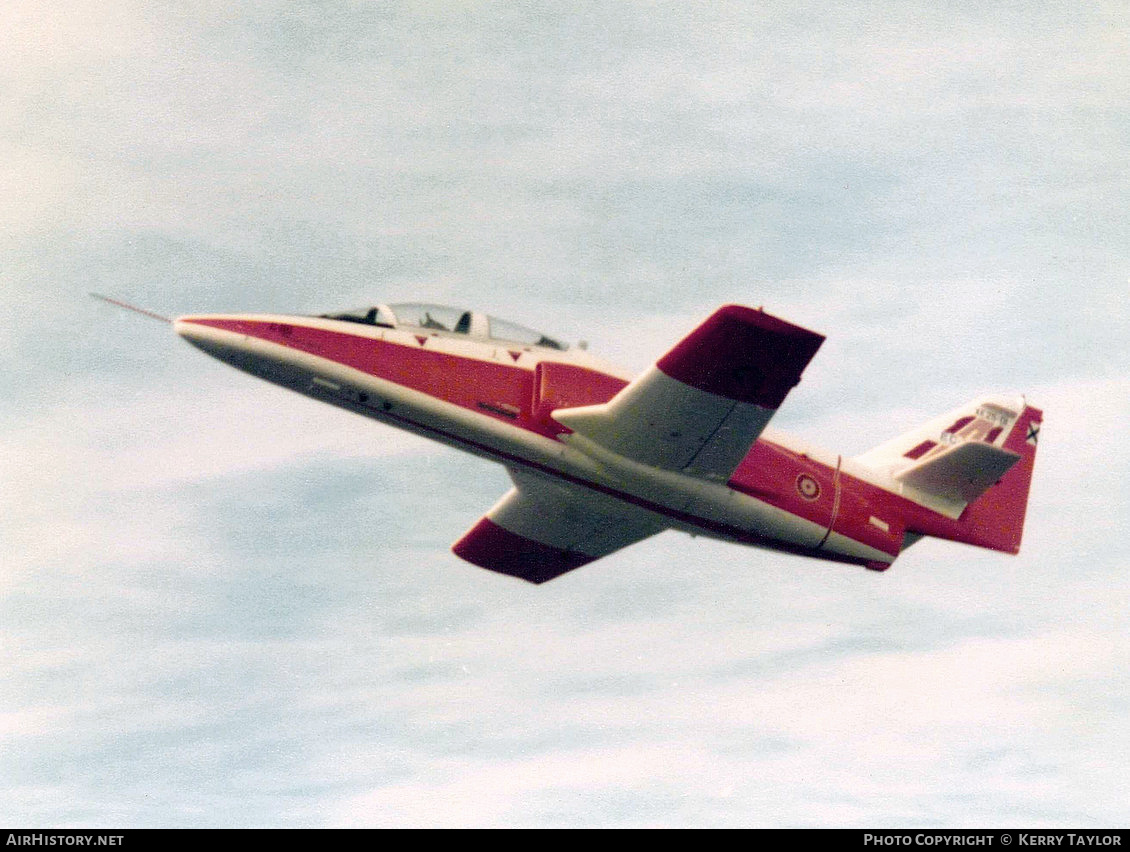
[[837, 485]]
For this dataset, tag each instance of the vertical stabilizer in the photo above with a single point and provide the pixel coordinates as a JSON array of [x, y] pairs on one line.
[[973, 466]]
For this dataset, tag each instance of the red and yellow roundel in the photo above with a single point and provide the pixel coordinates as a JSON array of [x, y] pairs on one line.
[[808, 487]]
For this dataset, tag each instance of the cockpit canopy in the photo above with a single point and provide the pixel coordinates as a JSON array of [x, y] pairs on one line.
[[447, 319]]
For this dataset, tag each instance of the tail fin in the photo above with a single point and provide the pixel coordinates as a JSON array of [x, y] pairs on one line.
[[973, 466]]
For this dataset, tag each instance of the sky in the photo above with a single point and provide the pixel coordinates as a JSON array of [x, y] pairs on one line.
[[225, 605]]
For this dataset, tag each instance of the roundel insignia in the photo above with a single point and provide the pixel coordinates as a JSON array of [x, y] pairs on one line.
[[808, 487]]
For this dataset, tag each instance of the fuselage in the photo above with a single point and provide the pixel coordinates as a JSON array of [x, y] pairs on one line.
[[469, 386]]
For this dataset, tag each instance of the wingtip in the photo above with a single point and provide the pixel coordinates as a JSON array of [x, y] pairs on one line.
[[743, 354], [491, 546]]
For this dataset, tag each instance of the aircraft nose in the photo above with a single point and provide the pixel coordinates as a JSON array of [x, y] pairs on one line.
[[184, 327], [220, 337], [194, 326], [243, 342]]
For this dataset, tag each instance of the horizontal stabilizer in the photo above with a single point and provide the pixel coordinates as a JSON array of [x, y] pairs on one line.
[[960, 474]]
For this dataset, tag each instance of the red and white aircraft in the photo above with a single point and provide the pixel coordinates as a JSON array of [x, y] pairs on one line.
[[600, 460]]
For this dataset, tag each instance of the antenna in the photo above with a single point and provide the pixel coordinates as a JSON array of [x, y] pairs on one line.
[[130, 307]]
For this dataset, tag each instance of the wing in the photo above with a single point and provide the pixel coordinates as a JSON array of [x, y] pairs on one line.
[[541, 530], [699, 409]]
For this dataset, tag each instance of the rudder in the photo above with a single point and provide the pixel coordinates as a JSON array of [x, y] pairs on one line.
[[996, 519]]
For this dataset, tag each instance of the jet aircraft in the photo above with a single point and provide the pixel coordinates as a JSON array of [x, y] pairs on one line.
[[600, 459]]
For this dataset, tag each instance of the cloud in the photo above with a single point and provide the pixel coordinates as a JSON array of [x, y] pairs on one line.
[[906, 728], [225, 605]]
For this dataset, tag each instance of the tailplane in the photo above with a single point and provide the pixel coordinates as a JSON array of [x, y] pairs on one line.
[[972, 466]]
